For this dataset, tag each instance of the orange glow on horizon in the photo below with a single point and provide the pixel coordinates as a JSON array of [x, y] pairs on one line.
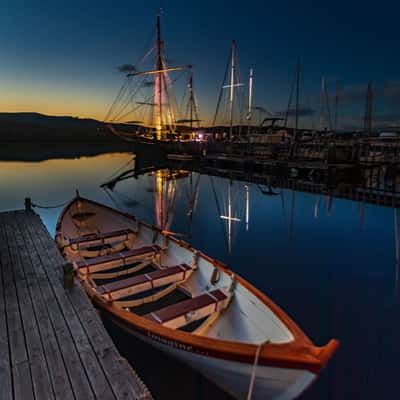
[[72, 101], [52, 100]]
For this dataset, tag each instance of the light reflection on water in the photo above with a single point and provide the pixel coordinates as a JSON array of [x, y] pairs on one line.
[[328, 262]]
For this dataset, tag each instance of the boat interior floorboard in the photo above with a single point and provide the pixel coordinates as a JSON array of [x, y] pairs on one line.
[[144, 294], [145, 270], [172, 298], [192, 326], [100, 247]]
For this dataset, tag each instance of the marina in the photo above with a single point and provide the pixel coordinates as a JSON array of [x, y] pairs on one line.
[[199, 202], [373, 183], [295, 246]]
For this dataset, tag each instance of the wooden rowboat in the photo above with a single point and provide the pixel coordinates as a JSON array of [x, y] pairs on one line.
[[187, 304]]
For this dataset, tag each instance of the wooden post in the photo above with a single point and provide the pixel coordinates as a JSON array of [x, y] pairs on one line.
[[69, 274], [28, 204]]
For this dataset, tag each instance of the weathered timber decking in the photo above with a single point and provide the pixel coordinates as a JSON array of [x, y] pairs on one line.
[[53, 344]]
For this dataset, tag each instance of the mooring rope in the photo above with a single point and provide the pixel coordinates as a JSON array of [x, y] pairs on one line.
[[254, 370]]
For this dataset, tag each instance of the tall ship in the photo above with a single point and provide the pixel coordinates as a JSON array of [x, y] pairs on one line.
[[148, 97]]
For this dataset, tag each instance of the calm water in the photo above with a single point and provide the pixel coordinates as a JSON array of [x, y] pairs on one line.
[[329, 263]]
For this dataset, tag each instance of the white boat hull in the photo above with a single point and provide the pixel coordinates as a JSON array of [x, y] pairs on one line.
[[233, 377]]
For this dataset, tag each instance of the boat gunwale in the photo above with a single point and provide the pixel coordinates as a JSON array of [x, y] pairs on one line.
[[300, 353]]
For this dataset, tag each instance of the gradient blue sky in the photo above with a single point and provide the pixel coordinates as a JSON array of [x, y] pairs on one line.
[[59, 57]]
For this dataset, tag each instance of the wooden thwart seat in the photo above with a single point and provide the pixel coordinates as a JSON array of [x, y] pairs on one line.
[[144, 282], [187, 311], [96, 239], [114, 260]]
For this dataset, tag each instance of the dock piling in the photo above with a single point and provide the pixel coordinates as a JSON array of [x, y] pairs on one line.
[[69, 274], [28, 204]]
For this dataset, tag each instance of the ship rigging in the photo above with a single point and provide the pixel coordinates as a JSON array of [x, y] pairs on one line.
[[146, 104]]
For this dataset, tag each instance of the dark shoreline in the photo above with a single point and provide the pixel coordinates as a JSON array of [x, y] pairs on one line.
[[40, 151]]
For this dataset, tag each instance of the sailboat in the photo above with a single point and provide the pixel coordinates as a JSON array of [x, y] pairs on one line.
[[187, 304], [148, 95], [229, 100]]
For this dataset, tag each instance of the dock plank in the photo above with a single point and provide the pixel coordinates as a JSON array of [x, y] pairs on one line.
[[58, 374], [123, 379], [53, 344], [21, 374], [70, 332], [5, 363], [38, 364]]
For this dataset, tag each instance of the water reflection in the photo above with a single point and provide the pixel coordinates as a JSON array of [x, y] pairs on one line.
[[247, 189], [332, 264], [397, 246], [226, 212]]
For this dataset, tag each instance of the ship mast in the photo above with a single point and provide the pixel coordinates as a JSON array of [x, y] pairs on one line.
[[162, 100], [191, 101], [321, 113], [368, 110], [232, 89], [336, 106], [325, 122], [230, 81], [297, 98], [158, 86], [250, 109]]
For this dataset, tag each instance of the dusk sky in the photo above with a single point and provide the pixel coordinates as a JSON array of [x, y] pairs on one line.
[[60, 57]]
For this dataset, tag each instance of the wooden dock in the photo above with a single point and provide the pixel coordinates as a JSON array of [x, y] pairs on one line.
[[53, 344]]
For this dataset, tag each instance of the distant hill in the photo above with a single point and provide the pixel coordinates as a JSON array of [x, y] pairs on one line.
[[30, 126], [35, 127]]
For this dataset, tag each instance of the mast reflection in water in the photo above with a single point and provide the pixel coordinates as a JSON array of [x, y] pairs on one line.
[[332, 264]]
